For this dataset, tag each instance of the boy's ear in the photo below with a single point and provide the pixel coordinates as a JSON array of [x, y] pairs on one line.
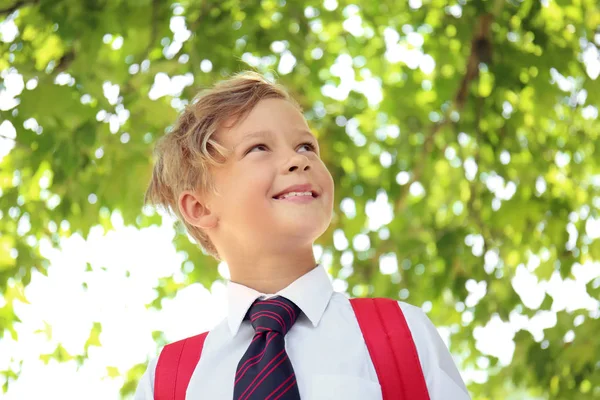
[[195, 211]]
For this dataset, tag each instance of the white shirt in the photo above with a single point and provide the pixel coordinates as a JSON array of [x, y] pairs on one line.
[[325, 346]]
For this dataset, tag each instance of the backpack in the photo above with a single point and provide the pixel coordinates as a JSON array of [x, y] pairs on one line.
[[388, 340]]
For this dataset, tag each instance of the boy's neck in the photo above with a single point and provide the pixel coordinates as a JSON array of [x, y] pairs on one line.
[[272, 274]]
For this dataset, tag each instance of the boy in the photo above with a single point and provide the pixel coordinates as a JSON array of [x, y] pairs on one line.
[[243, 172]]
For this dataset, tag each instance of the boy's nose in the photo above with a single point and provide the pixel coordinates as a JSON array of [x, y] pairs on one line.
[[298, 162], [295, 167]]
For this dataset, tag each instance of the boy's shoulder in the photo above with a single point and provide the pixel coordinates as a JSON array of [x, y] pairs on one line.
[[415, 317], [413, 311]]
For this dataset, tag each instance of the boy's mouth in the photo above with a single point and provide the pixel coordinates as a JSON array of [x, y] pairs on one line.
[[291, 195], [304, 190]]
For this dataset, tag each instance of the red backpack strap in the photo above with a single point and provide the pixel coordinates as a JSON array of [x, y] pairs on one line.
[[392, 349], [175, 367]]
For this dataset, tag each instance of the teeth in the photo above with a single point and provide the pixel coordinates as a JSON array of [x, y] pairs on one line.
[[290, 194]]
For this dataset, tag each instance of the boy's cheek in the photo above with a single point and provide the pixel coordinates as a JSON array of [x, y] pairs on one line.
[[331, 183]]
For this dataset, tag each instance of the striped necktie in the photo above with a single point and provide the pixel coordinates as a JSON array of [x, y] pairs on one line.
[[265, 372]]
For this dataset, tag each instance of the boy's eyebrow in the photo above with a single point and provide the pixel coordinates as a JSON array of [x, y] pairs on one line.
[[251, 136]]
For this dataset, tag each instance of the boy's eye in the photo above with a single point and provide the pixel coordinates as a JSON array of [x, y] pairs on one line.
[[256, 146], [311, 147]]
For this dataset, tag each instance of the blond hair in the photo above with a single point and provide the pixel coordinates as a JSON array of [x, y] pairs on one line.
[[185, 155]]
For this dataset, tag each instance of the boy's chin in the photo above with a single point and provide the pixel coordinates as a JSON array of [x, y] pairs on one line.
[[308, 230]]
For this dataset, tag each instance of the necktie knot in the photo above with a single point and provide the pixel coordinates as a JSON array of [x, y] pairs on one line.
[[276, 314]]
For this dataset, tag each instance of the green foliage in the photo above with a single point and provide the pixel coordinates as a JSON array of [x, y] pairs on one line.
[[496, 98]]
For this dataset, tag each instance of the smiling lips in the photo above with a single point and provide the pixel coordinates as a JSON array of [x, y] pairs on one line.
[[305, 197], [294, 194], [305, 190]]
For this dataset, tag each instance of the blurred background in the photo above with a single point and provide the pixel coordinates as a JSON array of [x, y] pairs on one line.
[[463, 138]]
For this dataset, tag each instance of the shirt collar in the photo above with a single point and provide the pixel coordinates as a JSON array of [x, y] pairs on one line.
[[311, 293]]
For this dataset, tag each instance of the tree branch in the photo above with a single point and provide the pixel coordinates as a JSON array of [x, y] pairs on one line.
[[17, 144], [7, 137], [65, 61], [9, 10], [203, 12], [154, 29], [481, 51], [473, 186]]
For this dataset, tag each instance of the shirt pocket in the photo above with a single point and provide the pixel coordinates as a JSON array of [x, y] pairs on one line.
[[330, 386]]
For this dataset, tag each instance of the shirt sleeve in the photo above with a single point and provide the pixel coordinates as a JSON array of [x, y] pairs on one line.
[[441, 375], [145, 388]]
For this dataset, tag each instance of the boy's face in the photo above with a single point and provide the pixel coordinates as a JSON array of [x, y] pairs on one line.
[[270, 152]]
